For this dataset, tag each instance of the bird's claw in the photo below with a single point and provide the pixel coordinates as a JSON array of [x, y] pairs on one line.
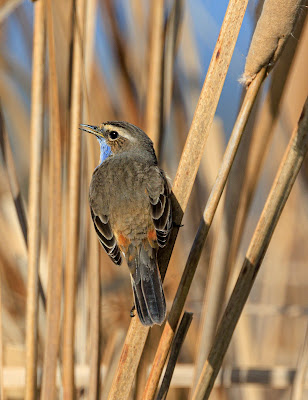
[[132, 313]]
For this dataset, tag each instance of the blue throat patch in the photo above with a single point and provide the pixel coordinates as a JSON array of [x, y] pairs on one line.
[[104, 148]]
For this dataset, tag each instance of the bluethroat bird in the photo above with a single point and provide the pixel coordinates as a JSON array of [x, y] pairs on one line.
[[131, 210]]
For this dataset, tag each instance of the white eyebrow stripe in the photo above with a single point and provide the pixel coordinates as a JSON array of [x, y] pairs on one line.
[[121, 132], [125, 134]]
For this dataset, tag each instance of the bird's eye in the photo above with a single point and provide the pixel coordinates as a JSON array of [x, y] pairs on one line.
[[113, 135]]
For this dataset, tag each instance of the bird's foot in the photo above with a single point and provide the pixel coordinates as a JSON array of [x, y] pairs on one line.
[[132, 311]]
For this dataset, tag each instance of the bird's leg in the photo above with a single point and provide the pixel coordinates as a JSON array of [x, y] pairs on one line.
[[175, 225], [132, 313]]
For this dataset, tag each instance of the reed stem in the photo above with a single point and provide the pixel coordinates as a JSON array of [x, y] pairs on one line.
[[35, 181]]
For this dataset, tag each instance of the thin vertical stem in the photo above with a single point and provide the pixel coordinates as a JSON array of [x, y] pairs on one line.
[[111, 360], [95, 320], [301, 371], [93, 256], [36, 140], [142, 371], [155, 79], [171, 39], [73, 210], [127, 367], [1, 346], [55, 225], [174, 354]]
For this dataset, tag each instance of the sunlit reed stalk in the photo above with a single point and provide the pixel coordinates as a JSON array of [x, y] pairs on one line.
[[111, 360], [185, 177], [95, 320], [1, 344], [174, 354], [301, 371], [73, 211], [171, 41], [155, 77], [93, 259], [94, 297], [51, 350], [204, 226], [36, 153], [142, 371], [285, 178]]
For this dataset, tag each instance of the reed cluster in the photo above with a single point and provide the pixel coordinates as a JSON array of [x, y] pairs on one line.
[[235, 270]]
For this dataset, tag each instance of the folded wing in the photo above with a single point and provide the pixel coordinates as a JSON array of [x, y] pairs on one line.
[[106, 236], [159, 193]]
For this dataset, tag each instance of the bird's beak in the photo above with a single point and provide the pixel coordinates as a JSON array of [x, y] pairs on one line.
[[91, 129]]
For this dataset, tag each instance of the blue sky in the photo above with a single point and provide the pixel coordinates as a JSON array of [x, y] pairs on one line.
[[206, 16]]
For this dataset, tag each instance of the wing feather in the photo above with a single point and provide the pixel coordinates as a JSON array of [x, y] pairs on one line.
[[106, 237], [159, 193]]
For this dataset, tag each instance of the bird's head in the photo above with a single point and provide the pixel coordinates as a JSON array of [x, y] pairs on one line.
[[116, 137]]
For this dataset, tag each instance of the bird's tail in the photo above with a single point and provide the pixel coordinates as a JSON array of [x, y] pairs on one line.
[[146, 282]]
